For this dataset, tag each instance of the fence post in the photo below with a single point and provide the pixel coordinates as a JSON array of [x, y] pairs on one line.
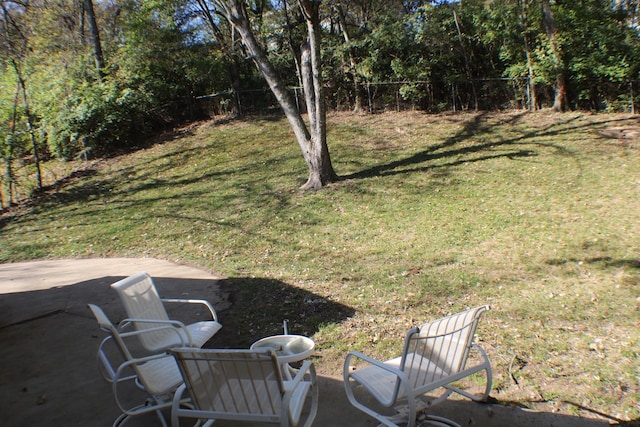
[[238, 102], [453, 97]]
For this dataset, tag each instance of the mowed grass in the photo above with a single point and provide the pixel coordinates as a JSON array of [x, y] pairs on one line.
[[537, 215]]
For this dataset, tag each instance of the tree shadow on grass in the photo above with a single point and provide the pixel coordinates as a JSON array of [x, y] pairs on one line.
[[40, 196], [602, 261], [462, 147], [259, 306]]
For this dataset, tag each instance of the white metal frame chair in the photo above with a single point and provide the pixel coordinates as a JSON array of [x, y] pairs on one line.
[[157, 375], [145, 310], [243, 385], [434, 357]]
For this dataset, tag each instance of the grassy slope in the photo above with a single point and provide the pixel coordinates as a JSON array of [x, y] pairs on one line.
[[537, 215]]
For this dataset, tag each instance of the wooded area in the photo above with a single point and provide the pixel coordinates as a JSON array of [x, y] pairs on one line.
[[90, 77]]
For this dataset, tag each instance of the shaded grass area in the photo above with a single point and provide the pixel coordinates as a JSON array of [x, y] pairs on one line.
[[535, 214]]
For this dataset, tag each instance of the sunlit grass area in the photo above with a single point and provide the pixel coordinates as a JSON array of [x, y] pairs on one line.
[[537, 215]]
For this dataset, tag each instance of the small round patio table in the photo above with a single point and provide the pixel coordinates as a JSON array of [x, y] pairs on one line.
[[288, 348]]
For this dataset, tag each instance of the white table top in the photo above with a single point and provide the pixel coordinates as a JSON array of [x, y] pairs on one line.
[[288, 348]]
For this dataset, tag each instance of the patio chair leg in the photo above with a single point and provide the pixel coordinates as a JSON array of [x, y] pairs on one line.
[[123, 418], [424, 421], [120, 420], [433, 420]]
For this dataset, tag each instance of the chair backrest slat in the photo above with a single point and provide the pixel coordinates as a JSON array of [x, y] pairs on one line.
[[232, 381], [142, 301], [438, 349]]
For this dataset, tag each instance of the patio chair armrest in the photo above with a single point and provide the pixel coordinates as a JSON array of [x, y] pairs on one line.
[[206, 303], [479, 349], [174, 326], [400, 375], [485, 365], [397, 372], [306, 368], [106, 364], [132, 321], [121, 377]]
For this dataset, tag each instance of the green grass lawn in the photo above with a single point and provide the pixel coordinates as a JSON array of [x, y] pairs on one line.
[[537, 215]]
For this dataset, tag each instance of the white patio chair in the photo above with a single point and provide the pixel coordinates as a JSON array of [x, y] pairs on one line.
[[434, 358], [156, 375], [243, 385], [145, 310]]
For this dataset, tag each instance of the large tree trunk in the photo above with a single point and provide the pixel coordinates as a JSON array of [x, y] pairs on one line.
[[313, 145], [323, 172]]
